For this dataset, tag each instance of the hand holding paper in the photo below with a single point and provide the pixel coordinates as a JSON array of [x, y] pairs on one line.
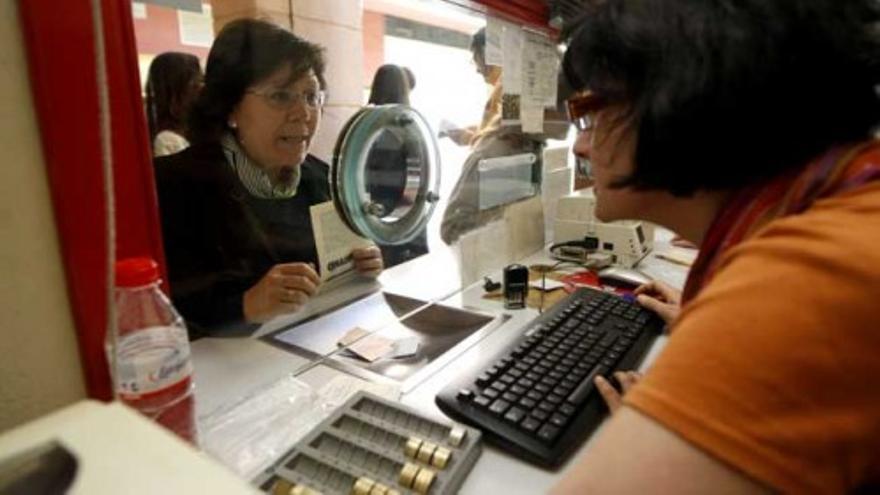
[[341, 251]]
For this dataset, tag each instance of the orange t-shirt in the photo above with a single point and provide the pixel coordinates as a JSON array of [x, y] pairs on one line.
[[774, 368]]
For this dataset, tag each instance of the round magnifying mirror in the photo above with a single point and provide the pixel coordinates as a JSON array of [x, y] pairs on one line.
[[385, 174]]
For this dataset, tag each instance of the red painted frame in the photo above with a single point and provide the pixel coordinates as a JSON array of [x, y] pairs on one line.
[[60, 44], [532, 13]]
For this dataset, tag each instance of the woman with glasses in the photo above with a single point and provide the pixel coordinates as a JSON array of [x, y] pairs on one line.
[[235, 205], [745, 127]]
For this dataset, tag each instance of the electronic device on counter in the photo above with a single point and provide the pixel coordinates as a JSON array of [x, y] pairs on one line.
[[626, 242], [536, 398], [371, 445]]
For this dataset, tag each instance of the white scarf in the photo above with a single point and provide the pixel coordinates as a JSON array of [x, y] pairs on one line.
[[254, 178]]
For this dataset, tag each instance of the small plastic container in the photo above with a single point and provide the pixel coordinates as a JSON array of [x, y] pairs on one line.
[[148, 350]]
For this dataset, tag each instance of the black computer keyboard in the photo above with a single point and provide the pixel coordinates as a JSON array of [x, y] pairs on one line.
[[536, 398]]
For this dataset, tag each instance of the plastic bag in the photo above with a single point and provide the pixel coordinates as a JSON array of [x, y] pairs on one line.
[[254, 432]]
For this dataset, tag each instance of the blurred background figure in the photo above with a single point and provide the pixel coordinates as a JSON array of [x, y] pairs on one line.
[[172, 84], [391, 84], [492, 113], [387, 162]]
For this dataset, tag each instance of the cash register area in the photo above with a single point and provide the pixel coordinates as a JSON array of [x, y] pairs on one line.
[[437, 354]]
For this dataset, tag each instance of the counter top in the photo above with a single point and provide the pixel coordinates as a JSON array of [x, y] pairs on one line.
[[227, 370]]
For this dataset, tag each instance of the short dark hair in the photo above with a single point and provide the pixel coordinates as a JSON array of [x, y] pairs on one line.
[[244, 52], [390, 85], [727, 94], [169, 82]]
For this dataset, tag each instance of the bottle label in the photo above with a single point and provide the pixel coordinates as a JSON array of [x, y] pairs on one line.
[[151, 360]]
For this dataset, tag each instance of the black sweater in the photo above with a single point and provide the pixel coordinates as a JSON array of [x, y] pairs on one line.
[[220, 240]]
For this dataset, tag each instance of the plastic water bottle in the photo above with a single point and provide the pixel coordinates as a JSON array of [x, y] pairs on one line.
[[149, 351]]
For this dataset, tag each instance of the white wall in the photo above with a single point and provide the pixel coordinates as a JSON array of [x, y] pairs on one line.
[[39, 361]]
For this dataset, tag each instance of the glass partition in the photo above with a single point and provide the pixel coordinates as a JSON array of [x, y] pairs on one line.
[[418, 122]]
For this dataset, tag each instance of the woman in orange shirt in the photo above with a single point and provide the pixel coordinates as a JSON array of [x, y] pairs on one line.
[[746, 128]]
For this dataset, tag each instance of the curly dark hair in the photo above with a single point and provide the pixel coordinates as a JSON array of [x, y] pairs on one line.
[[724, 94], [245, 52]]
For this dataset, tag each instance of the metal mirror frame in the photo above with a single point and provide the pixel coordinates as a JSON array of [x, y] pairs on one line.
[[349, 171]]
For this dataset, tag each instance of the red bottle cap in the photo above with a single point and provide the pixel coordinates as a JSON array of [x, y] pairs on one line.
[[136, 272]]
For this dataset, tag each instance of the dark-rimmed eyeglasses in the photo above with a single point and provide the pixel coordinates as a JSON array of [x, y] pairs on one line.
[[285, 99]]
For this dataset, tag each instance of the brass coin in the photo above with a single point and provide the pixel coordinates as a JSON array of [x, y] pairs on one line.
[[456, 436], [426, 451], [412, 447], [408, 474], [379, 489], [441, 457], [362, 486], [282, 487], [423, 481]]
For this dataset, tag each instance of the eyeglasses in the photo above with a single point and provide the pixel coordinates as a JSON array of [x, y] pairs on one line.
[[582, 109], [284, 99]]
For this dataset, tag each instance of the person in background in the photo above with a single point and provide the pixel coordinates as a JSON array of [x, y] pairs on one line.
[[747, 128], [387, 164], [471, 136], [391, 85], [235, 205], [173, 82], [489, 140]]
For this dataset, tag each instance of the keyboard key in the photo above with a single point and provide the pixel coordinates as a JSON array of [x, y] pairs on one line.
[[548, 433], [567, 409], [482, 401], [528, 403], [559, 420], [499, 407], [563, 391], [510, 397], [525, 383], [518, 390], [491, 393], [530, 424], [539, 414], [515, 415], [465, 394]]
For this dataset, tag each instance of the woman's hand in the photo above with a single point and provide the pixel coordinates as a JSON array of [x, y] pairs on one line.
[[661, 299], [368, 261], [283, 289], [612, 397]]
